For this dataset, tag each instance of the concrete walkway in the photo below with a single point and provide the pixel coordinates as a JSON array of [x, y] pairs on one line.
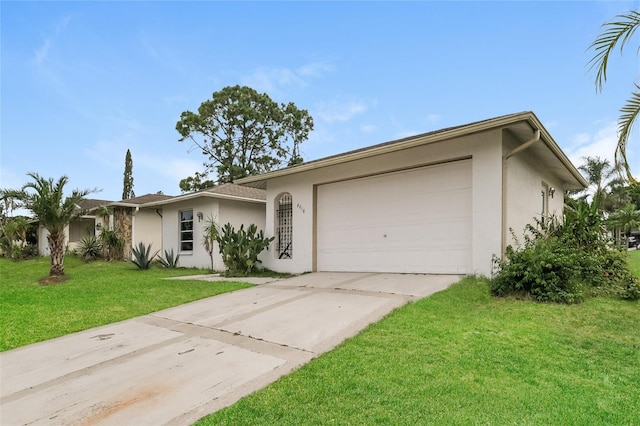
[[174, 366]]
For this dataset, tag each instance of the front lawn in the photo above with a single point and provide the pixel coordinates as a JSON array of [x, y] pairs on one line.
[[96, 293], [463, 357]]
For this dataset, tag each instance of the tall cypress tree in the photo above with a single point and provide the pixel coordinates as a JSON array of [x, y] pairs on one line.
[[127, 189]]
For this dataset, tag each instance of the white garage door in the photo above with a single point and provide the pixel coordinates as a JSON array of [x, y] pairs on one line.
[[417, 220]]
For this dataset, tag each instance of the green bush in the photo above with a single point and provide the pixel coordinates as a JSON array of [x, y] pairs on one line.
[[142, 256], [566, 261], [89, 248], [629, 288], [112, 244], [240, 249], [545, 270]]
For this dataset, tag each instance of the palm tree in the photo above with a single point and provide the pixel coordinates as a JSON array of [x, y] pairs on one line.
[[617, 196], [625, 220], [210, 235], [598, 173], [618, 31], [45, 199]]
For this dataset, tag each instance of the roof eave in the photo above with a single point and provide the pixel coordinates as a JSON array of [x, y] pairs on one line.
[[555, 149], [419, 140], [191, 196]]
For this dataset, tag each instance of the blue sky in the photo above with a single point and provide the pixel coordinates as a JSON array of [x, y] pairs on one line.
[[82, 82]]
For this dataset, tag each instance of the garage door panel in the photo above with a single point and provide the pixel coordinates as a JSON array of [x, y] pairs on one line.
[[410, 221]]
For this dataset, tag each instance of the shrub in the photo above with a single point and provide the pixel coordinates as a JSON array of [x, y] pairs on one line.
[[169, 260], [566, 261], [240, 249], [544, 270], [629, 288], [112, 244], [89, 248], [142, 256]]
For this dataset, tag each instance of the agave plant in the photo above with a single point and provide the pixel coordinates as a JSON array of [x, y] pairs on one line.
[[89, 248], [169, 260], [142, 256]]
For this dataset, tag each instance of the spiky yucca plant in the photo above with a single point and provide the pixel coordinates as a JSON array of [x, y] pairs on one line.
[[142, 256]]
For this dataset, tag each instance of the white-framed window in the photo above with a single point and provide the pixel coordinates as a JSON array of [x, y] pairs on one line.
[[284, 226], [186, 230]]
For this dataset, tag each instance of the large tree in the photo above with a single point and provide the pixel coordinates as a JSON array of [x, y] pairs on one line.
[[618, 32], [243, 132], [45, 198], [127, 187], [197, 182]]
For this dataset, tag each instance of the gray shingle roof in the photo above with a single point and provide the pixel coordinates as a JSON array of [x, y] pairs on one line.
[[91, 203], [234, 190], [147, 198]]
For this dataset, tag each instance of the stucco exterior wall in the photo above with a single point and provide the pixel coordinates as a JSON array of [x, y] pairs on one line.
[[525, 180], [238, 214], [77, 229], [198, 258], [222, 211], [147, 228], [483, 148]]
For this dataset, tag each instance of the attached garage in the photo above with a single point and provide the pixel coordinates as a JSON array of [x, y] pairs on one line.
[[445, 202], [409, 221]]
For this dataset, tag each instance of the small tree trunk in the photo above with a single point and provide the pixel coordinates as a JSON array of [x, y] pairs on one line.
[[56, 246]]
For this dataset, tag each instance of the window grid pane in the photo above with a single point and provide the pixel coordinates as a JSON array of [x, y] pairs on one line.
[[284, 215], [186, 230]]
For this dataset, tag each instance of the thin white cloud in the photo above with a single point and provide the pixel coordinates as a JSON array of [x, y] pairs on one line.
[[433, 119], [315, 69], [339, 110], [368, 128], [41, 54], [601, 144], [270, 80]]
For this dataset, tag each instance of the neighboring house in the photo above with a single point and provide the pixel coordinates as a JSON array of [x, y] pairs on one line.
[[184, 218], [137, 223], [87, 224], [168, 222], [133, 222], [439, 202]]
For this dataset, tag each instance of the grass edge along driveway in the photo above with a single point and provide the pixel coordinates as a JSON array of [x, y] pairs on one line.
[[96, 293], [462, 357]]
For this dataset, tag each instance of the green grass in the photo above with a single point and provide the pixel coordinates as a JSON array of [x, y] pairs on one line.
[[96, 293], [634, 262], [462, 357]]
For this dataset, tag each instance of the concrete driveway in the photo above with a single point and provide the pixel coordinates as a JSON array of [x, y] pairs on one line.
[[177, 365]]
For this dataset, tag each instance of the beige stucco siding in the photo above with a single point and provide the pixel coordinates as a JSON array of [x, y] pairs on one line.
[[73, 233], [525, 178], [222, 211], [484, 149], [147, 229], [197, 258], [245, 214]]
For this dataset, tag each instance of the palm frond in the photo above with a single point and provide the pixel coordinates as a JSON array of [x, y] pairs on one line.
[[629, 113], [615, 32]]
